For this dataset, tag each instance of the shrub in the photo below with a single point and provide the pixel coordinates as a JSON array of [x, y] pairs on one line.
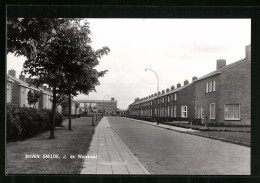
[[24, 122]]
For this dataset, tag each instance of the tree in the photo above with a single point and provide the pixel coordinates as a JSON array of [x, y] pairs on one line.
[[54, 58], [33, 97]]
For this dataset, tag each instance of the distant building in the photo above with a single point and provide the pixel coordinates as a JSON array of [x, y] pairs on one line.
[[98, 106]]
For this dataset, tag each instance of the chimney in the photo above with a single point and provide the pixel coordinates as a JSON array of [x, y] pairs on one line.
[[12, 72], [194, 78], [167, 90], [155, 94], [163, 92], [28, 80], [159, 93], [248, 52], [185, 82], [152, 95], [221, 63], [112, 99], [178, 85], [22, 77], [172, 88], [45, 87]]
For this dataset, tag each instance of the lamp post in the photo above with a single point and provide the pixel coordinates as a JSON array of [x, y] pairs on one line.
[[103, 101], [157, 85]]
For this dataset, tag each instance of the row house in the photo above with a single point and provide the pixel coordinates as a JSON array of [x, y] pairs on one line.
[[17, 90], [17, 93], [178, 103], [222, 96]]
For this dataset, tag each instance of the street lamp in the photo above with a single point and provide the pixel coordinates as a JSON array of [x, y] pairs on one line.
[[103, 101], [157, 85]]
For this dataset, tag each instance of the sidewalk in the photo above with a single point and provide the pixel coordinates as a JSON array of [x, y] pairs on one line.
[[190, 131], [111, 156], [175, 128]]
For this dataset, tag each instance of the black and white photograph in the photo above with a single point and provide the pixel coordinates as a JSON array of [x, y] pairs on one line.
[[128, 96]]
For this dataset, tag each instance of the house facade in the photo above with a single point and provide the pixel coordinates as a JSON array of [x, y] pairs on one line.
[[17, 90], [97, 106], [221, 96]]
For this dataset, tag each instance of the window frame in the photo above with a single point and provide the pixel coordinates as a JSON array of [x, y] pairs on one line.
[[207, 88], [233, 118], [175, 96], [210, 87], [214, 86], [186, 111], [210, 108]]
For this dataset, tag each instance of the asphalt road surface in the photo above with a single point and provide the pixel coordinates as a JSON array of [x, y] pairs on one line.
[[164, 151]]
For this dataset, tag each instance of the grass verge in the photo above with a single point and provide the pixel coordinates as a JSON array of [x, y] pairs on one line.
[[65, 144]]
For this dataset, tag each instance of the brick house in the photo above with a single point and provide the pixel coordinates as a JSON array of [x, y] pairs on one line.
[[224, 95], [17, 90]]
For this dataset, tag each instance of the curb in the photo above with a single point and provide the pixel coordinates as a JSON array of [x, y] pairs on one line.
[[210, 137], [135, 158]]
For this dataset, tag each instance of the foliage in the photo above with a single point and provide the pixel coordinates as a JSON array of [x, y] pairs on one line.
[[33, 97], [23, 122], [58, 53]]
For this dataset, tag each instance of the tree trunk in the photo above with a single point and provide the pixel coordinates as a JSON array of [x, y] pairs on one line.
[[70, 112], [52, 125]]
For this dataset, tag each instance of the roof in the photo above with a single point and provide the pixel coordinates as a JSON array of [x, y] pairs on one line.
[[162, 95], [25, 84], [21, 82], [201, 78], [220, 70], [95, 101]]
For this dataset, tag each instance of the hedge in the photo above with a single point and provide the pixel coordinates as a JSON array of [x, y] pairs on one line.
[[24, 122]]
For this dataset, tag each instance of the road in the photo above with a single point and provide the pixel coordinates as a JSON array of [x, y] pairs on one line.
[[164, 151]]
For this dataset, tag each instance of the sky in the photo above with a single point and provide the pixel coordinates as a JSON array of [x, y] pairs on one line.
[[176, 49]]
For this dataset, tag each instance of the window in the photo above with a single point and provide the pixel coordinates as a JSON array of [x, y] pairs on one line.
[[158, 101], [207, 87], [232, 112], [210, 86], [169, 98], [199, 111], [162, 100], [151, 102], [175, 96], [8, 86], [214, 86], [168, 111], [212, 111], [81, 104], [184, 111], [175, 111]]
